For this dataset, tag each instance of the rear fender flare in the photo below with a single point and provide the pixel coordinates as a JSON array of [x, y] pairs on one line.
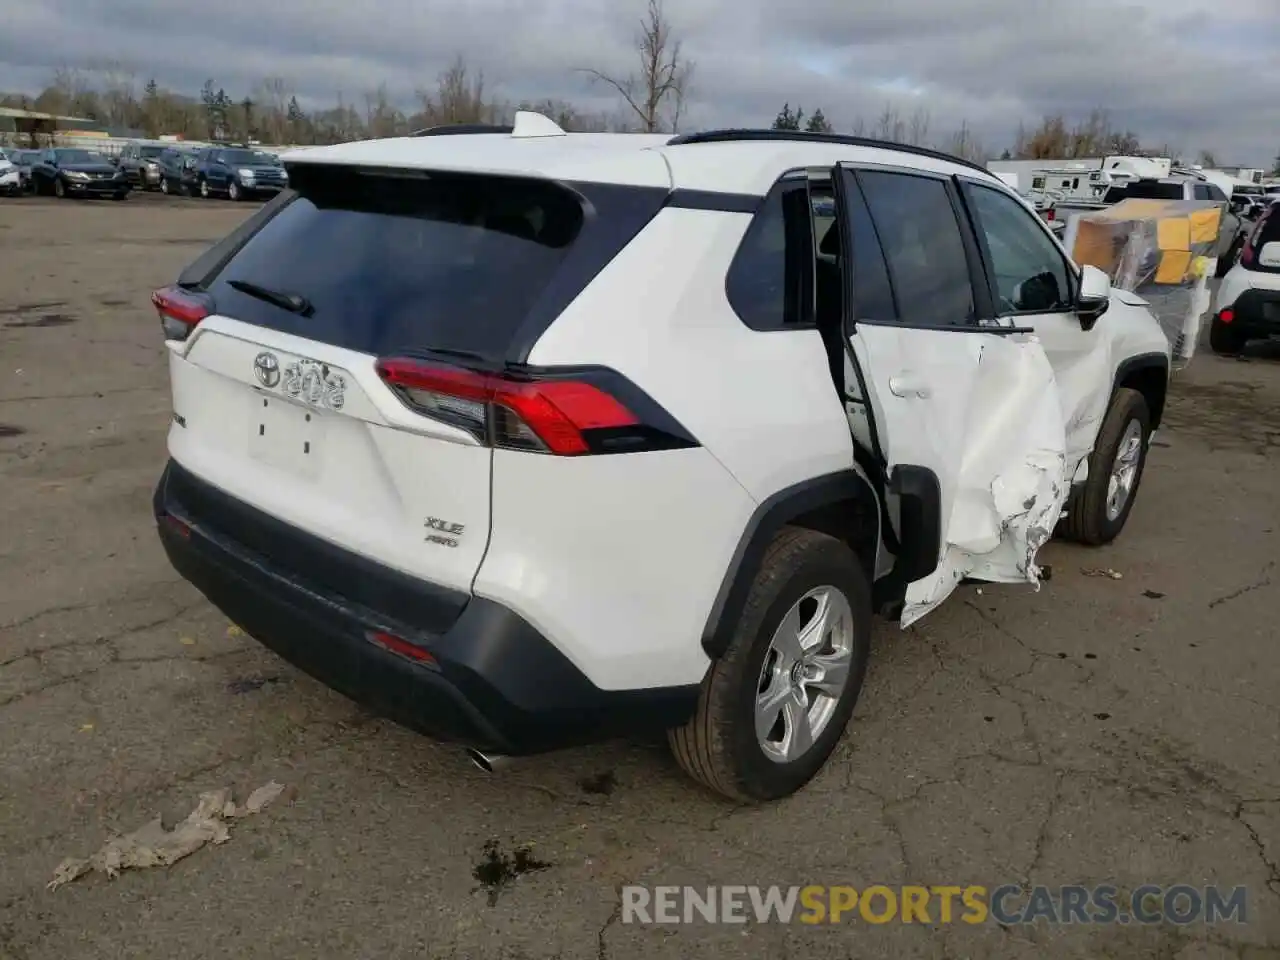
[[779, 510]]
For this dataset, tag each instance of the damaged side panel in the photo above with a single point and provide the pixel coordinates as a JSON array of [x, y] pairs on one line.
[[983, 412], [1011, 481]]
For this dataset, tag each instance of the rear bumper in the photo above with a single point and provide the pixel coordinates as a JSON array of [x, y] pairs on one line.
[[1255, 314], [489, 680]]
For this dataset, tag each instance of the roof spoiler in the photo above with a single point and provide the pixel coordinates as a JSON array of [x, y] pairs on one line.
[[527, 124]]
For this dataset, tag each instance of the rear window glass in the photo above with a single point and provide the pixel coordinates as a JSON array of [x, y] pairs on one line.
[[1153, 190], [395, 263]]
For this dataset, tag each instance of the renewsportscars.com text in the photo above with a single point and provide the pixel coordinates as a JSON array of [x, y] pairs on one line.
[[1008, 904]]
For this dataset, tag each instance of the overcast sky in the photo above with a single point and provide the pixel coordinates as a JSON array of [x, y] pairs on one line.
[[1198, 74]]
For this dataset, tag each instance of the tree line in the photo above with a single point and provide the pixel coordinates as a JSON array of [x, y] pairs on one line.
[[652, 98]]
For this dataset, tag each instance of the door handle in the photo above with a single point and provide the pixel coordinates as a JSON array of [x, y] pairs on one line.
[[907, 385]]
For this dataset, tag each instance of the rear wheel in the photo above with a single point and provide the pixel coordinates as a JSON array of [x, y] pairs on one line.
[[1223, 340], [775, 704], [164, 185], [1097, 511], [204, 188]]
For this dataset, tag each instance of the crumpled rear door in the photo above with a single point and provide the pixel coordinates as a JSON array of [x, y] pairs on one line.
[[1009, 482]]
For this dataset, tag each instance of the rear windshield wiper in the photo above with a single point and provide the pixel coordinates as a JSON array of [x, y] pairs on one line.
[[293, 302]]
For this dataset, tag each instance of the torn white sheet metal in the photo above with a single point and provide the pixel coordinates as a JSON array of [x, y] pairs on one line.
[[151, 845], [1012, 481]]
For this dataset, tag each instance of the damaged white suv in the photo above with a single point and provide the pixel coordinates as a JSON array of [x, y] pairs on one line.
[[528, 439]]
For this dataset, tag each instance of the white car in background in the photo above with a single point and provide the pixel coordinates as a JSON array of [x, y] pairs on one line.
[[10, 176], [1249, 297]]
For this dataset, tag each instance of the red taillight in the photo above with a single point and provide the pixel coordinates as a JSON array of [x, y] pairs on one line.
[[1048, 214], [1246, 253], [1227, 315], [180, 310], [543, 415]]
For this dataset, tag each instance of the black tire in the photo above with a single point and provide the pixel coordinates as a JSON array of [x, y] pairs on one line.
[[202, 188], [1087, 521], [59, 188], [1223, 340], [164, 185], [719, 747], [234, 193], [120, 196]]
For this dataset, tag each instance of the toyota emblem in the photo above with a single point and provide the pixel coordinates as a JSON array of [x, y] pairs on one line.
[[267, 369]]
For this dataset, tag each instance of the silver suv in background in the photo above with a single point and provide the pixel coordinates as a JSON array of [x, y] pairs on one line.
[[140, 162]]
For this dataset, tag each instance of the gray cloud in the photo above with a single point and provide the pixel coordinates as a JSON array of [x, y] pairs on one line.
[[1195, 75]]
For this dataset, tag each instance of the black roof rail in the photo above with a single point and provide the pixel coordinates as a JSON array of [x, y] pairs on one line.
[[461, 128], [731, 135]]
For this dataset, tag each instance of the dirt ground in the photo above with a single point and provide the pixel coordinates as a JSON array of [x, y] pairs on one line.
[[1102, 730]]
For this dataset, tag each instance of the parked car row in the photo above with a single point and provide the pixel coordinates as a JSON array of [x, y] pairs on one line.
[[237, 173]]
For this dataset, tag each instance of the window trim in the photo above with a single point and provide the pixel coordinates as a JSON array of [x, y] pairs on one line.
[[1074, 272], [984, 316]]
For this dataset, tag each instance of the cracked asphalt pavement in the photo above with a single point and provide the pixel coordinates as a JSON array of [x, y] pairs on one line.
[[1121, 731]]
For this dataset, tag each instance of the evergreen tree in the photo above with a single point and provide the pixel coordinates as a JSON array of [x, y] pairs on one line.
[[788, 119], [818, 123]]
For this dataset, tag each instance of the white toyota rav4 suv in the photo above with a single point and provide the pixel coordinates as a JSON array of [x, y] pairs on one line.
[[526, 439]]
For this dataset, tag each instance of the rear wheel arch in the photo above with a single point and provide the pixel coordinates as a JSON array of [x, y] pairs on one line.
[[842, 505], [1148, 374]]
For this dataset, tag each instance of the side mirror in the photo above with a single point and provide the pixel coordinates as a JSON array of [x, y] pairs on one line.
[[1094, 298], [1269, 255]]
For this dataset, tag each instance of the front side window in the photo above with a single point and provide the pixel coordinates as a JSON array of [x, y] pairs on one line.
[[1029, 272], [923, 246]]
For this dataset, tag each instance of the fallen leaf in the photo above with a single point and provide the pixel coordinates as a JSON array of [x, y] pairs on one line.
[[86, 727], [188, 641], [234, 631]]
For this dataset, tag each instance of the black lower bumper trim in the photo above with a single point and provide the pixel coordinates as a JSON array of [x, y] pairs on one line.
[[492, 682], [1256, 314]]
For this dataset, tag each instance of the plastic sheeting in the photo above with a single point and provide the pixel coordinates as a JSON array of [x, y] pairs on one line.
[[1164, 251]]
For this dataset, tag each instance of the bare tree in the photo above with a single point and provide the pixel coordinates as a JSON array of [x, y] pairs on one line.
[[964, 144], [457, 98], [657, 95], [918, 127], [890, 125], [381, 118], [118, 83], [273, 95]]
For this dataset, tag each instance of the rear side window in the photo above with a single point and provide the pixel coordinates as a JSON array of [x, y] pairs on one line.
[[1202, 192], [769, 284], [388, 263], [920, 235]]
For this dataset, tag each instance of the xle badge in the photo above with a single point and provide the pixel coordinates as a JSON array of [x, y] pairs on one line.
[[442, 532]]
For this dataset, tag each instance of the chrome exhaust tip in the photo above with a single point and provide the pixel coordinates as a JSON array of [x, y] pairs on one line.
[[488, 762]]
